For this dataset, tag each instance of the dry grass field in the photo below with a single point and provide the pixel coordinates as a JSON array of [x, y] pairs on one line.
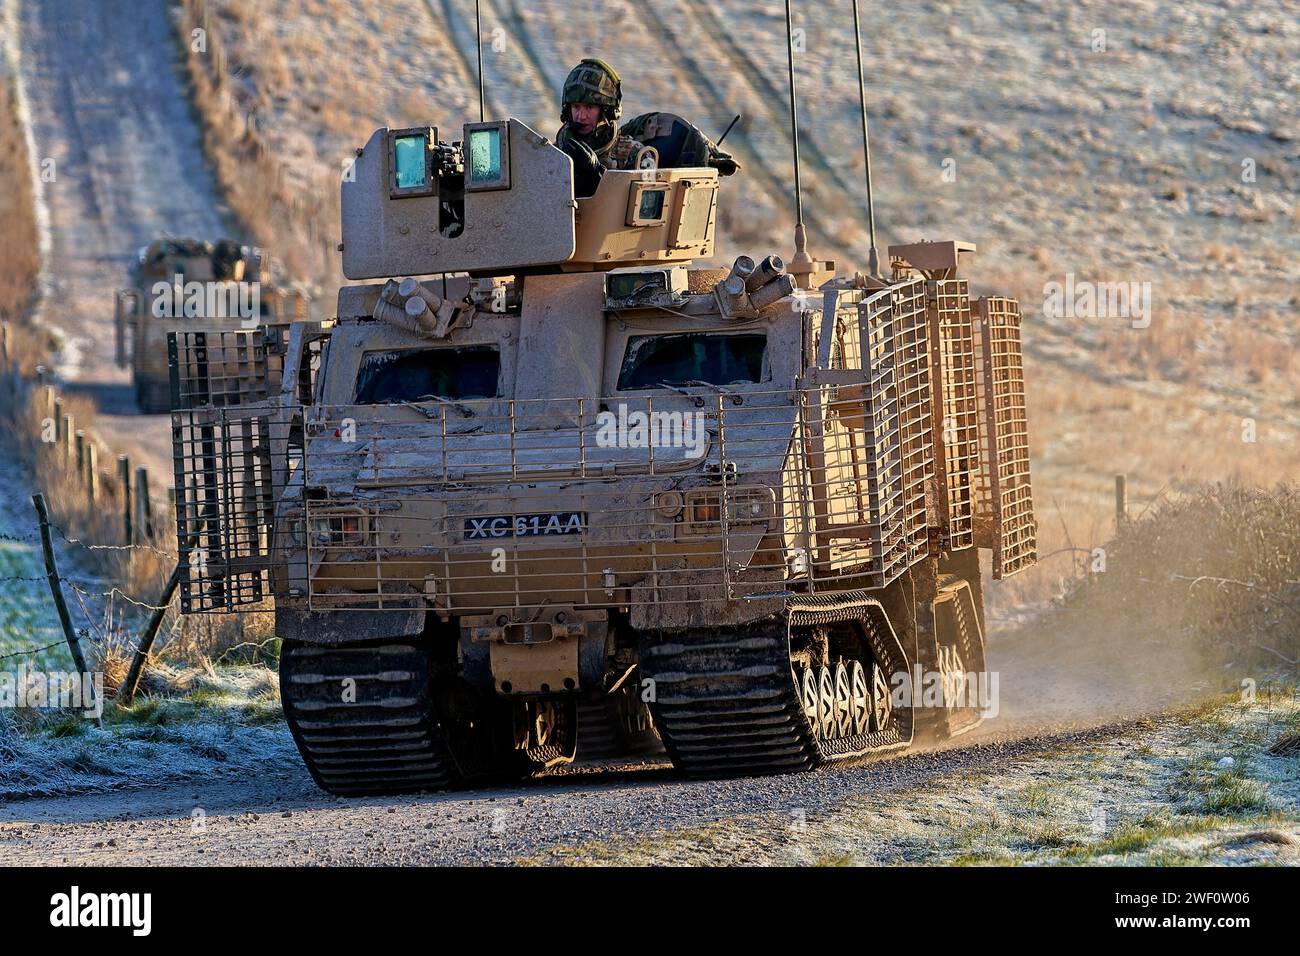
[[18, 243]]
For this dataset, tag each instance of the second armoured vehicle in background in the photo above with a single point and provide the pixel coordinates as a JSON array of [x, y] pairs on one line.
[[192, 284], [747, 502]]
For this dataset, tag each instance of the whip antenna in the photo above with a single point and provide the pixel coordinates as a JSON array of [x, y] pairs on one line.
[[801, 262], [735, 119], [873, 258], [478, 39]]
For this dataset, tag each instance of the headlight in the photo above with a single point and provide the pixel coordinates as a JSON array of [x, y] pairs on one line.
[[705, 510], [745, 507], [748, 508], [338, 529]]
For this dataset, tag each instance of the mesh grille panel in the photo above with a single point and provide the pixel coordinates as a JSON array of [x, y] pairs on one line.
[[855, 483], [1008, 500], [884, 476], [224, 507], [915, 411], [956, 408], [219, 369]]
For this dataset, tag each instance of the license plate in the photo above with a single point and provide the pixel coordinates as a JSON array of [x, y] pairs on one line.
[[526, 526]]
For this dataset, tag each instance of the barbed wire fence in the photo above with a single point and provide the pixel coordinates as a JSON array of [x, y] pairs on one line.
[[121, 506]]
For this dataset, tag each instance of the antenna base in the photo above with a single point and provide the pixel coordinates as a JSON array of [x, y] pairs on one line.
[[809, 272], [801, 262]]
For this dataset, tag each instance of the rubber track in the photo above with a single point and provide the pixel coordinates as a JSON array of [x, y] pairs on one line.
[[596, 739], [727, 706], [727, 703], [385, 742]]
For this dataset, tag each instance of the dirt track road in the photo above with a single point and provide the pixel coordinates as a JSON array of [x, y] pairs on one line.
[[108, 109], [281, 818], [277, 815]]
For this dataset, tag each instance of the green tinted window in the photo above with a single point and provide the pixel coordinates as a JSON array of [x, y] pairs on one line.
[[409, 159], [624, 285], [652, 204], [485, 155]]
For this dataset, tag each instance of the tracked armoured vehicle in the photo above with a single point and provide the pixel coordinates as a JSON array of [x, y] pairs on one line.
[[192, 284], [569, 471]]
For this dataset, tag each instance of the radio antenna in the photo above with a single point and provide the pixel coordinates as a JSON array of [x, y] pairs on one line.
[[478, 39], [734, 120], [801, 262], [873, 257]]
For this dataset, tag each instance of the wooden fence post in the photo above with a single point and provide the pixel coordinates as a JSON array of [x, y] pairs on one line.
[[81, 455], [1121, 501], [66, 448], [124, 484], [143, 513], [92, 471], [126, 690], [56, 590]]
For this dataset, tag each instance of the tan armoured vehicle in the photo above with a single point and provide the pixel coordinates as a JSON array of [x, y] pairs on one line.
[[567, 465], [195, 285]]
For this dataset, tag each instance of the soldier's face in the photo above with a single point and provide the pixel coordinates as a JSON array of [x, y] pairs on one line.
[[584, 116]]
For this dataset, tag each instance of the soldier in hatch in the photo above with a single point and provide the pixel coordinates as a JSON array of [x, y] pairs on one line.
[[590, 105]]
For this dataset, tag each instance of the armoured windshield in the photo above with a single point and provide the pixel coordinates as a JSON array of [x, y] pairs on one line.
[[410, 375], [713, 358]]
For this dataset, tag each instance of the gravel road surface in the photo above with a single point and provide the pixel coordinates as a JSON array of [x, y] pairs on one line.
[[279, 817]]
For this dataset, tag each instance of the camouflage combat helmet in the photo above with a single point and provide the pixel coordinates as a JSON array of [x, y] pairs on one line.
[[593, 81]]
